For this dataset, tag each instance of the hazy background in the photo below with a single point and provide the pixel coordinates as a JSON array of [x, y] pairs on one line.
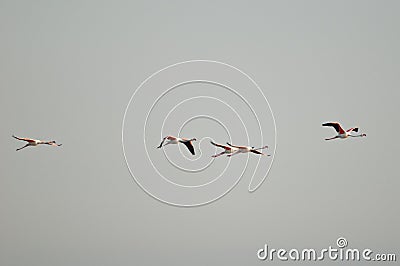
[[68, 69]]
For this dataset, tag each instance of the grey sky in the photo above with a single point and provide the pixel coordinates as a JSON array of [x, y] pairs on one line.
[[68, 70]]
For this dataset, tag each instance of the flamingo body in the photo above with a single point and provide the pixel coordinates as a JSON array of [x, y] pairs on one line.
[[342, 134], [175, 140], [247, 149], [35, 142], [231, 150]]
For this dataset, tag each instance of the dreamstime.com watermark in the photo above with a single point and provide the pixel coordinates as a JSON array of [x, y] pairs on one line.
[[342, 253]]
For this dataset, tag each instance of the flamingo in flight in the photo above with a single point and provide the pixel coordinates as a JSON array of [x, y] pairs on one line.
[[246, 149], [35, 142], [342, 134], [227, 149], [175, 140]]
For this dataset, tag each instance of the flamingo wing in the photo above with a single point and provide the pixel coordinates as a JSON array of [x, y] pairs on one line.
[[336, 126], [24, 139], [239, 147], [189, 145], [355, 129], [221, 146]]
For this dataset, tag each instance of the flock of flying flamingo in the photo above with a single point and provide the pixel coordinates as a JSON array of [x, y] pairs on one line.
[[229, 149]]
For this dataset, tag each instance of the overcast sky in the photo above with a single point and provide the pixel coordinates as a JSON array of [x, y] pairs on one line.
[[69, 68]]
